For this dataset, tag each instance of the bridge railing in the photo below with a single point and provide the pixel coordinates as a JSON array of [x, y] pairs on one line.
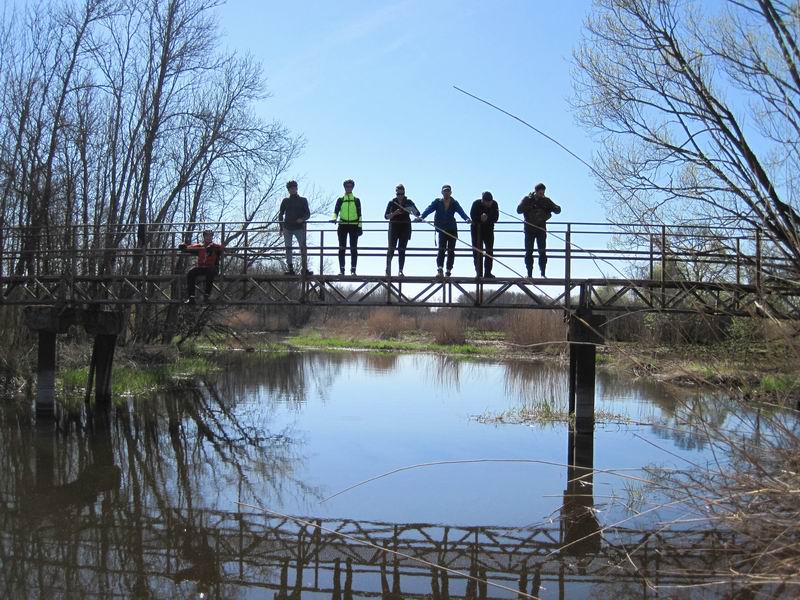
[[603, 250], [115, 265]]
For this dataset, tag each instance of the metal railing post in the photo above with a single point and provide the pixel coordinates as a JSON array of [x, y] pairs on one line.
[[321, 253], [567, 265]]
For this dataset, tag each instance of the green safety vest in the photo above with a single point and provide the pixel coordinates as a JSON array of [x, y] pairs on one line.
[[348, 213]]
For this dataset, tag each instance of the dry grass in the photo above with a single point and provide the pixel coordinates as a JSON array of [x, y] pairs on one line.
[[446, 327], [528, 327], [388, 323]]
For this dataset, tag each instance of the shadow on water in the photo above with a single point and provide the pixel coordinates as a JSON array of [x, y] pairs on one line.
[[142, 503]]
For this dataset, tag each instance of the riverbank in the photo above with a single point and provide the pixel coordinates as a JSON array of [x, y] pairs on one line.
[[761, 371]]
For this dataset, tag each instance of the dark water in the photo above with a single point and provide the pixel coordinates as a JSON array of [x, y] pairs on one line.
[[169, 497]]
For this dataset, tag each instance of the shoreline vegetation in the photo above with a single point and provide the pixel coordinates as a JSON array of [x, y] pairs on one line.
[[752, 370]]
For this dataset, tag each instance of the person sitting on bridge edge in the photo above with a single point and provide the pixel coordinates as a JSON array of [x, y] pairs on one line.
[[208, 257], [444, 220], [348, 211], [537, 210], [292, 215], [484, 214], [398, 212]]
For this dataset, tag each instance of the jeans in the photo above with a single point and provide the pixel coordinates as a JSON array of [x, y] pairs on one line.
[[300, 235], [191, 277], [447, 242], [482, 239], [398, 238], [539, 236], [343, 232]]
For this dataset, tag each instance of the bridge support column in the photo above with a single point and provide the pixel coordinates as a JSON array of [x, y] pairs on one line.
[[584, 335], [105, 326], [46, 376], [47, 322]]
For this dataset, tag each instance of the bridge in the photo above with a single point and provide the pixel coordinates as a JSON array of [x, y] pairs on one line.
[[659, 268], [88, 276]]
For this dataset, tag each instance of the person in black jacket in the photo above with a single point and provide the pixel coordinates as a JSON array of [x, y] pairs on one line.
[[537, 210], [292, 215], [484, 214], [398, 212]]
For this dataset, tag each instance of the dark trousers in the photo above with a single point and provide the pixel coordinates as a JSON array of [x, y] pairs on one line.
[[398, 239], [447, 242], [191, 277], [343, 232], [539, 236], [482, 239]]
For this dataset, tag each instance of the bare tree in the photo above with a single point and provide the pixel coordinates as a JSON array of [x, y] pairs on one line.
[[697, 108], [121, 113]]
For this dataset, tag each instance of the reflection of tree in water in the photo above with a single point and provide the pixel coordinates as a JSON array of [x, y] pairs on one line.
[[103, 512], [534, 382]]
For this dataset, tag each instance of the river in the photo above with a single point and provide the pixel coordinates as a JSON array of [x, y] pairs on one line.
[[222, 488]]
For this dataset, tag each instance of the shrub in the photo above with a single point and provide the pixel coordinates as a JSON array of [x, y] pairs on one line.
[[388, 323], [446, 327], [527, 327]]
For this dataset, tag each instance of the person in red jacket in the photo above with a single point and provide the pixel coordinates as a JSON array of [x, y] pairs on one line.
[[208, 257]]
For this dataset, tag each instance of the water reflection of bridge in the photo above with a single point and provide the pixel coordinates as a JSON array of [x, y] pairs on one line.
[[251, 550], [70, 536]]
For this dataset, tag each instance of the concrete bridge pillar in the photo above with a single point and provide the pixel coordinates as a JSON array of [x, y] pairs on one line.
[[585, 333], [105, 326], [47, 322]]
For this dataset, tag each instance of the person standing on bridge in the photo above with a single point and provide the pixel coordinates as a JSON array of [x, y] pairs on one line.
[[444, 220], [208, 254], [484, 214], [537, 209], [292, 215], [348, 212], [398, 212]]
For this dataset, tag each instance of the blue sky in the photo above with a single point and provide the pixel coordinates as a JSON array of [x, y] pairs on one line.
[[370, 87]]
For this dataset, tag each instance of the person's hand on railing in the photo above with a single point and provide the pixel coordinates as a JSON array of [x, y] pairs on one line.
[[419, 220], [332, 221], [467, 220]]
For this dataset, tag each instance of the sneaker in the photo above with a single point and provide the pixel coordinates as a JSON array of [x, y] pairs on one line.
[[439, 274], [543, 275], [530, 274], [352, 272], [308, 272], [341, 272], [388, 272], [400, 274], [447, 274], [290, 273], [489, 276], [189, 300]]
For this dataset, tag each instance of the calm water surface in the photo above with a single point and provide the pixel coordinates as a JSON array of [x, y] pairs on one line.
[[183, 495]]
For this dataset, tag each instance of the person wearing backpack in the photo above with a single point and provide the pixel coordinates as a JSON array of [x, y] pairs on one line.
[[348, 213], [536, 208], [398, 212]]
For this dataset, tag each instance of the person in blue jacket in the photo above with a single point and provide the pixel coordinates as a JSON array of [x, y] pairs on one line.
[[444, 220]]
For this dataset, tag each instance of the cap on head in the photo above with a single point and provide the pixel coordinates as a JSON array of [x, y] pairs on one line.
[[447, 187], [291, 184], [486, 196], [540, 186], [349, 182], [399, 188]]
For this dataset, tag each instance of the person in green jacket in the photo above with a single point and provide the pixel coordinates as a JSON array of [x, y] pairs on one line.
[[348, 213]]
